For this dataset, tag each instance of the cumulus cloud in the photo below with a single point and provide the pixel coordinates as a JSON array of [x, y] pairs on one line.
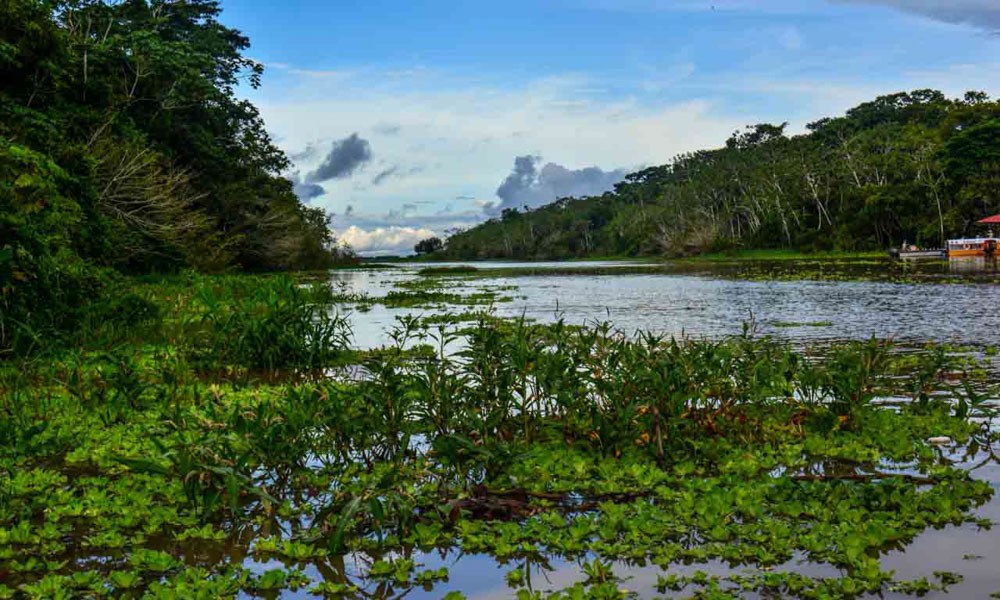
[[466, 131], [345, 157], [385, 240], [979, 13], [406, 218], [308, 191], [527, 185]]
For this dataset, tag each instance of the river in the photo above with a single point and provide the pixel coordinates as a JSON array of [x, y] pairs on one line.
[[714, 304], [703, 305]]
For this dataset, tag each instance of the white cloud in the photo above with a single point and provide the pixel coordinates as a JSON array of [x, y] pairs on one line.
[[407, 217], [313, 73], [454, 133], [384, 240], [463, 132]]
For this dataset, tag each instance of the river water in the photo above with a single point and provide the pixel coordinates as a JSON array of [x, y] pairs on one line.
[[703, 305], [967, 550], [707, 304]]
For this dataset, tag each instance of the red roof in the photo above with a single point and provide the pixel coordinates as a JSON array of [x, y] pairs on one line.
[[990, 220]]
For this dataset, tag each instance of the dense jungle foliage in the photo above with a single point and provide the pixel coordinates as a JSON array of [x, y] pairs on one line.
[[914, 167], [123, 148]]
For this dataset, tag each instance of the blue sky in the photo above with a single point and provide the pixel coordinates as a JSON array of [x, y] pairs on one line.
[[404, 118]]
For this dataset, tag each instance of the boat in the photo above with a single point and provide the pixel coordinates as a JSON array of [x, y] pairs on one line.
[[973, 247], [977, 247], [916, 254], [911, 252]]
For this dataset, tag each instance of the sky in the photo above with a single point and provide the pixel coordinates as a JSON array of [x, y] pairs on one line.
[[405, 119]]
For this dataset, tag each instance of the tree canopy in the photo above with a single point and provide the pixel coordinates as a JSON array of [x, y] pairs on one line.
[[431, 244], [124, 146], [915, 167]]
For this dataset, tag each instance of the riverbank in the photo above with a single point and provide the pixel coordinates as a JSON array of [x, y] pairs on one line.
[[771, 255]]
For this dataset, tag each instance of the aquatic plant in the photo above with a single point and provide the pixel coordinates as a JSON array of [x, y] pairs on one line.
[[145, 468], [280, 324], [452, 270]]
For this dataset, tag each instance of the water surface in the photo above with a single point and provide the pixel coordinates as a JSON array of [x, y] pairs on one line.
[[701, 305], [704, 304]]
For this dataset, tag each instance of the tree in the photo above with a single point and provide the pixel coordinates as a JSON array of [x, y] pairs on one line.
[[429, 245], [124, 145], [912, 166]]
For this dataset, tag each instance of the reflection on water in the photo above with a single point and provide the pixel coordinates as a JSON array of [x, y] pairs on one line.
[[500, 264], [973, 265], [705, 306], [964, 549], [801, 311]]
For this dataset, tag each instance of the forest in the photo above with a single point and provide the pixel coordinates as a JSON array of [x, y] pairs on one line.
[[125, 149], [913, 167]]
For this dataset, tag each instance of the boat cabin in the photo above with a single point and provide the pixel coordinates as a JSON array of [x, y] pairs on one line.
[[987, 246]]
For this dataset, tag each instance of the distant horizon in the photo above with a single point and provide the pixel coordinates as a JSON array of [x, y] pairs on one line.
[[404, 120]]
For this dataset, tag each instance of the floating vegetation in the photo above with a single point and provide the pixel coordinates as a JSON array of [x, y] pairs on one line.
[[367, 266], [759, 266], [130, 474], [453, 270], [774, 255], [806, 324], [536, 271], [455, 318], [831, 268], [430, 297]]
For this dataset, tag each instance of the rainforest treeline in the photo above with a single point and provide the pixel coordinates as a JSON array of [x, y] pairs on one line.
[[915, 167], [124, 149]]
